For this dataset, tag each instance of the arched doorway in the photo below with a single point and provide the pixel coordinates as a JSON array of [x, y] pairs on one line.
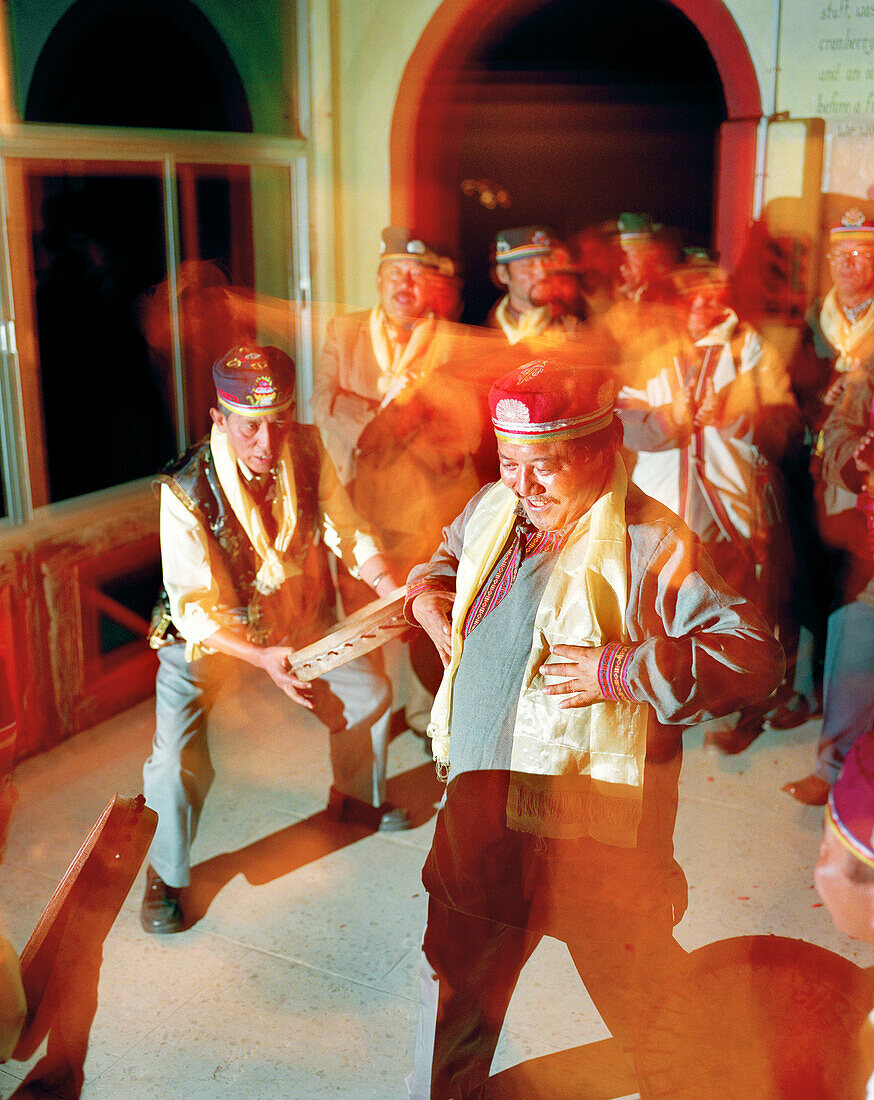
[[577, 113]]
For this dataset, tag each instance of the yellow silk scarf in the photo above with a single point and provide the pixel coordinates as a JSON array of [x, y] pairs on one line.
[[394, 359], [527, 325], [274, 569], [853, 339], [574, 772]]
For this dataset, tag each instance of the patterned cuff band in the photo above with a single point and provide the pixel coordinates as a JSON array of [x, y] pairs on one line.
[[414, 590], [612, 669]]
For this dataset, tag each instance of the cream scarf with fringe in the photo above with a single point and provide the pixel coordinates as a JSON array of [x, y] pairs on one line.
[[575, 772], [274, 569]]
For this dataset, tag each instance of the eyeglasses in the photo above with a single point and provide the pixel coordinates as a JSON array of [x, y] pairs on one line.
[[849, 257]]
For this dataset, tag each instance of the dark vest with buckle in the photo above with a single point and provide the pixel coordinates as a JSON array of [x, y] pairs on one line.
[[193, 479]]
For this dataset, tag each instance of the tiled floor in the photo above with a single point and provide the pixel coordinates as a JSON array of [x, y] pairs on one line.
[[299, 978]]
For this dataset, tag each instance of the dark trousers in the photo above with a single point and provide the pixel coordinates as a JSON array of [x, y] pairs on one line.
[[471, 966], [614, 908]]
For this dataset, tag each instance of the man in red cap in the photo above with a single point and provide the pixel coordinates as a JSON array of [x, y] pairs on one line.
[[580, 628], [246, 520]]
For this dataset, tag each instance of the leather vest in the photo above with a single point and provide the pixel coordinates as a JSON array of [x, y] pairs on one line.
[[193, 479]]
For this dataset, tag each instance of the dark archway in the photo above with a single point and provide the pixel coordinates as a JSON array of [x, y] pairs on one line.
[[149, 63], [579, 111]]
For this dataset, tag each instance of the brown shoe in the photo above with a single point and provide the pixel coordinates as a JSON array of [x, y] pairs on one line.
[[347, 809], [794, 712], [811, 790], [160, 913]]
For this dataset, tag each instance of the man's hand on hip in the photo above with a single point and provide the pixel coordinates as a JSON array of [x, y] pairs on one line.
[[274, 660], [580, 664], [433, 611]]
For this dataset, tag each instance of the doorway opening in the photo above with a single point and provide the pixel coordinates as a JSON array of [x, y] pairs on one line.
[[567, 115]]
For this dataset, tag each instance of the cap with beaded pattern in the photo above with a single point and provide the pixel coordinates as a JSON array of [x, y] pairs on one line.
[[523, 243], [254, 381], [400, 244], [854, 226]]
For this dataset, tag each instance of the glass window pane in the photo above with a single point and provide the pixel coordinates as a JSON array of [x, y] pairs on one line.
[[233, 283], [97, 238]]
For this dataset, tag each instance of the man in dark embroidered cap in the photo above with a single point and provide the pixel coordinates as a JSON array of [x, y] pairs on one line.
[[372, 356], [845, 456], [581, 628], [246, 521], [649, 257]]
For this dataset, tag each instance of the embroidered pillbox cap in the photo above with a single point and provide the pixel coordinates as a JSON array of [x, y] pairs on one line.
[[400, 244], [254, 381], [545, 401], [850, 810], [523, 243], [854, 226]]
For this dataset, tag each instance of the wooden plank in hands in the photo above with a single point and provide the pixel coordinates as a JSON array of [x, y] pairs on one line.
[[364, 630]]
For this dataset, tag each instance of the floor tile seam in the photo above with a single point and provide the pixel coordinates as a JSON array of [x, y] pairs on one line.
[[304, 965], [113, 1062], [751, 807]]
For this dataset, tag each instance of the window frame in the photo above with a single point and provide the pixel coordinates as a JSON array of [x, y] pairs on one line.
[[23, 462]]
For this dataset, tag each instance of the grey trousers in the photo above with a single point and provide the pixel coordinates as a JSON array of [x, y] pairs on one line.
[[353, 701], [848, 685]]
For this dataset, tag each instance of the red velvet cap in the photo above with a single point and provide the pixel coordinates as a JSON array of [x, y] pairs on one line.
[[851, 800], [544, 401]]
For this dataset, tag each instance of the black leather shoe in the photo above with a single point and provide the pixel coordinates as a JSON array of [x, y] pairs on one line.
[[347, 809], [160, 912]]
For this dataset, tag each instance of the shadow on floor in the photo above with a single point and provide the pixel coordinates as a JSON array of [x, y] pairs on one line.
[[764, 1017], [597, 1071], [274, 856]]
